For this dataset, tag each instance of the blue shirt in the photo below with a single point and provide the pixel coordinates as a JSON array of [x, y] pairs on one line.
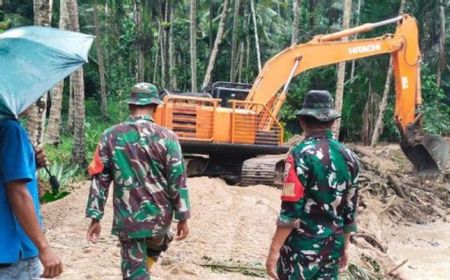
[[17, 162]]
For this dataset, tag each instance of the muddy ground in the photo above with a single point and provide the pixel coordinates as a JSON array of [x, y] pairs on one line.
[[231, 228]]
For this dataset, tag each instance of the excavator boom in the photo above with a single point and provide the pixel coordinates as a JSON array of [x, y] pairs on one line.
[[428, 153]]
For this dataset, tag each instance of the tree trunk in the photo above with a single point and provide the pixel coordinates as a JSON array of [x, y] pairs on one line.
[[441, 62], [295, 22], [101, 65], [193, 37], [369, 115], [155, 70], [255, 27], [139, 41], [383, 104], [162, 47], [71, 117], [172, 74], [341, 69], [217, 41], [358, 19], [36, 124], [234, 41], [166, 44], [241, 61], [56, 94], [78, 151], [247, 57]]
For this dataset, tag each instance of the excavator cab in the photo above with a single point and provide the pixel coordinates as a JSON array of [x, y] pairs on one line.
[[226, 91]]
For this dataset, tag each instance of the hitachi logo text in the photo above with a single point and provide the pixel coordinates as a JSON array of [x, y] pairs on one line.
[[364, 49]]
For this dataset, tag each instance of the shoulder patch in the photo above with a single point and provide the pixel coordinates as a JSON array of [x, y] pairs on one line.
[[293, 189], [96, 166]]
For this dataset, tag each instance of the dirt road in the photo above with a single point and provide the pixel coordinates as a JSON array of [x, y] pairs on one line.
[[230, 226]]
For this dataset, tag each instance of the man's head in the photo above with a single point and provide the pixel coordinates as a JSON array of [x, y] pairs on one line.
[[318, 111], [144, 97]]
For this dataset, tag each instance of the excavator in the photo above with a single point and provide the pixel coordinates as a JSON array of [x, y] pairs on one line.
[[233, 131]]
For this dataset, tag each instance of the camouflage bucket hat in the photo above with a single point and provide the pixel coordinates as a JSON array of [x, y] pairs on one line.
[[144, 94], [319, 104]]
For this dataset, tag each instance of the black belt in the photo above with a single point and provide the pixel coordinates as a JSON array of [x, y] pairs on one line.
[[4, 265]]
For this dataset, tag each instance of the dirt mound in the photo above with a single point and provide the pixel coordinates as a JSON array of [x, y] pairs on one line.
[[392, 196]]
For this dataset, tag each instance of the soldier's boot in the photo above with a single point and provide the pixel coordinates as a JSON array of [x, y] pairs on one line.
[[155, 246]]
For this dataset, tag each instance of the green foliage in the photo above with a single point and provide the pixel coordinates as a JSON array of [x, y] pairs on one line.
[[50, 197], [436, 105], [64, 173]]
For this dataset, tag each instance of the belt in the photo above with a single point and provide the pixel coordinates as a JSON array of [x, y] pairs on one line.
[[4, 265]]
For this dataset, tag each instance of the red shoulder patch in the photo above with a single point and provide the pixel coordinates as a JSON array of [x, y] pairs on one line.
[[293, 189], [96, 166]]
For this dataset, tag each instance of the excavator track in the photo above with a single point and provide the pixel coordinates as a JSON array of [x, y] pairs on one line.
[[266, 169]]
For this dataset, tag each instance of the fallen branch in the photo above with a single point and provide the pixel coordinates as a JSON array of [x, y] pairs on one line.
[[396, 267], [389, 204], [372, 240], [396, 185]]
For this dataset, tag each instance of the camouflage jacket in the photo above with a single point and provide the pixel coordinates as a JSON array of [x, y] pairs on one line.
[[320, 189], [145, 163]]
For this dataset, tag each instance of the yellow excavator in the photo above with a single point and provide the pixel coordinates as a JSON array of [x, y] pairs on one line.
[[233, 131]]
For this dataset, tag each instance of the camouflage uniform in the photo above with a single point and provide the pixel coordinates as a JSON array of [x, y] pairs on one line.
[[145, 163], [319, 202]]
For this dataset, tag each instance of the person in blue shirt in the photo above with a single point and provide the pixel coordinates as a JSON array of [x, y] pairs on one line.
[[23, 246]]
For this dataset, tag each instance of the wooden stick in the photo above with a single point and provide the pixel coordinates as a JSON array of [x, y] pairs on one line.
[[397, 267]]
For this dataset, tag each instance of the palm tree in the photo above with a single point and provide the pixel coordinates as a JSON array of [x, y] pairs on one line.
[[193, 37], [441, 62], [234, 44], [341, 68], [42, 16], [217, 41], [172, 76], [78, 151], [295, 22], [101, 65], [255, 27], [56, 94], [139, 41]]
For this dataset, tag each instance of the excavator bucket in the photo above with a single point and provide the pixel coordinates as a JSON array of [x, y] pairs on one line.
[[429, 156]]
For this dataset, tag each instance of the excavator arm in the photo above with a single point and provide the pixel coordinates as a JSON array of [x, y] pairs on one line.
[[428, 153]]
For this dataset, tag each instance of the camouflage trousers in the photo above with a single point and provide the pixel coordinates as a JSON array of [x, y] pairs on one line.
[[135, 253], [310, 258]]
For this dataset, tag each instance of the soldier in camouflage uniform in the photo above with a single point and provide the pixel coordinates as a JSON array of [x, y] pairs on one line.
[[145, 164], [319, 200]]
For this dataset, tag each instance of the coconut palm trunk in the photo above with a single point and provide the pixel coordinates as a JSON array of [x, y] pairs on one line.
[[193, 43], [217, 41], [36, 124], [234, 44], [139, 41], [341, 69], [56, 94], [255, 27], [441, 63], [101, 65], [172, 66], [78, 151], [295, 21]]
